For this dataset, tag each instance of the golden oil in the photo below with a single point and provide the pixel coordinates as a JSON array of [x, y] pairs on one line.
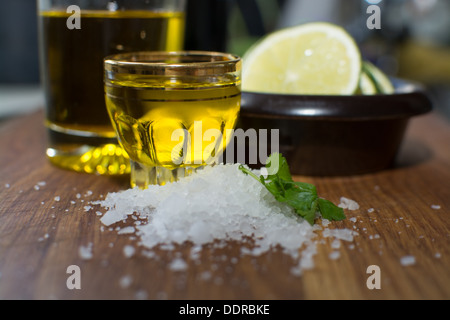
[[164, 121], [80, 134]]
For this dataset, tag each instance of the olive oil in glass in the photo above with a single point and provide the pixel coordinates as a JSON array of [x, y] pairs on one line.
[[80, 134]]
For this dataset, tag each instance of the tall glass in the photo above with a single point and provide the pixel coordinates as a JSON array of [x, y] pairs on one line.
[[173, 112], [75, 36]]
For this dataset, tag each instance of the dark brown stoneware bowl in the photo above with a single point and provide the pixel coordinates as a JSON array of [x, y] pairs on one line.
[[336, 135]]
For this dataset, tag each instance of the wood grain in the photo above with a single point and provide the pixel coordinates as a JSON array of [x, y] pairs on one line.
[[40, 236]]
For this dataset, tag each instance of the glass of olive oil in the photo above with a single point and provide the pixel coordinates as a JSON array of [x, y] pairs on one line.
[[173, 112], [75, 36]]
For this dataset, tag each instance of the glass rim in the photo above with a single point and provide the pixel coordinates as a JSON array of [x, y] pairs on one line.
[[159, 62]]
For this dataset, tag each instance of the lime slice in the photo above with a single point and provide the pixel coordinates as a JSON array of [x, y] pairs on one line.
[[314, 58], [366, 85], [381, 81]]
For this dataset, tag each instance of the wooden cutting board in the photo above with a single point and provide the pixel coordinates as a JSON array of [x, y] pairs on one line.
[[403, 227]]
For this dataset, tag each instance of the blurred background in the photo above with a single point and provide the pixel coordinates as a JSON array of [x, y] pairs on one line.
[[413, 42]]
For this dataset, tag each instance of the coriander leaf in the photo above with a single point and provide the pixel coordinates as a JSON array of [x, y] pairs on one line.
[[301, 196], [249, 172], [274, 188], [330, 211], [304, 204], [308, 216], [277, 166], [303, 201], [306, 187]]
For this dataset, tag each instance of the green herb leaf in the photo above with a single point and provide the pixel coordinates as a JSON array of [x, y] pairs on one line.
[[278, 167], [301, 196], [330, 211]]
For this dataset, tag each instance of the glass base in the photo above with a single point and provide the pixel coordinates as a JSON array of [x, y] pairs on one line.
[[108, 159], [87, 152], [143, 177]]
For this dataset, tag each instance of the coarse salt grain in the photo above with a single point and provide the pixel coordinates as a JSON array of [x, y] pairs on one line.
[[44, 237], [435, 206], [128, 251], [334, 255], [342, 234], [178, 264], [348, 204], [407, 261], [217, 203], [126, 230], [39, 185], [85, 252], [206, 275], [336, 244], [125, 281], [141, 295]]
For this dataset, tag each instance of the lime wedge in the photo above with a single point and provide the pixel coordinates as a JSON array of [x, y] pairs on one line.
[[381, 81], [314, 58], [366, 85]]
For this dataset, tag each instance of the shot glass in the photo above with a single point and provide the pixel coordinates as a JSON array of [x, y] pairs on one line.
[[172, 111]]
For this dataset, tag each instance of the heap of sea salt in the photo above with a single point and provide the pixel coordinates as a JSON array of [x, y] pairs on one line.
[[216, 203]]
